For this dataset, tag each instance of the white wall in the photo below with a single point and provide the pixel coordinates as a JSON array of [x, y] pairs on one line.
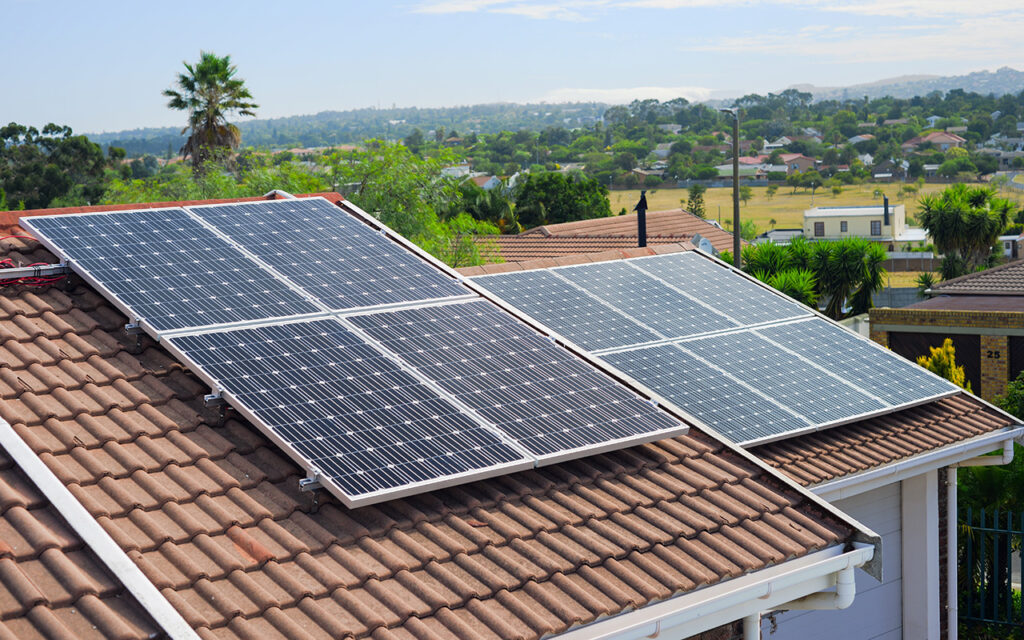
[[876, 613]]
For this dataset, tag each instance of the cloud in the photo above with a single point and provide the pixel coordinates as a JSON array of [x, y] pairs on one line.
[[625, 95]]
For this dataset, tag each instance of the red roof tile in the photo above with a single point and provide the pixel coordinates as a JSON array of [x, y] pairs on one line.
[[212, 511], [536, 247]]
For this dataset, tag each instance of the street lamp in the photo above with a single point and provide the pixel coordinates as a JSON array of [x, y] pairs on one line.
[[735, 184]]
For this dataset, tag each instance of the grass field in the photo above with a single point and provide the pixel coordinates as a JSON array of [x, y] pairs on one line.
[[786, 208]]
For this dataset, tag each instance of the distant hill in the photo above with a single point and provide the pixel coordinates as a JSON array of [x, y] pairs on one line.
[[999, 82], [350, 127]]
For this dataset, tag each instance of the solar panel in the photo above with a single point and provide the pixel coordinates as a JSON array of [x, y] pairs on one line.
[[744, 301], [790, 381], [865, 364], [162, 266], [643, 298], [567, 310], [354, 415], [333, 256], [734, 409], [547, 400]]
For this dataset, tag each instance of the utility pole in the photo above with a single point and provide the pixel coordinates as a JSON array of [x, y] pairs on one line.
[[735, 185]]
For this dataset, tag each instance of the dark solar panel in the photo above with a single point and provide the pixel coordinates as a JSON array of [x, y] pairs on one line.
[[652, 303], [336, 258], [367, 425], [744, 301], [168, 269], [877, 371], [790, 381], [728, 406], [538, 393], [567, 310]]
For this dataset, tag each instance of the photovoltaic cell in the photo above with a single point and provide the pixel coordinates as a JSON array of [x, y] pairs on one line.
[[168, 269], [742, 300], [354, 414], [567, 310], [731, 408], [640, 296], [884, 374], [790, 381], [539, 394], [336, 258]]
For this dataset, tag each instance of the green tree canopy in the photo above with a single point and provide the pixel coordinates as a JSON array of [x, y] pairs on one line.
[[550, 198], [209, 92], [48, 168]]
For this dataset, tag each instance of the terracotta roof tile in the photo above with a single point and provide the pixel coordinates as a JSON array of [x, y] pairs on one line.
[[211, 512], [826, 455]]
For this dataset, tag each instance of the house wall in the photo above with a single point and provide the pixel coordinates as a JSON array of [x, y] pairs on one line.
[[1000, 334], [876, 613], [858, 226]]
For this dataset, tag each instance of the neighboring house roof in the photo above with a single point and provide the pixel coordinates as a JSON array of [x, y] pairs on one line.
[[480, 181], [936, 137], [971, 303], [671, 223], [520, 248], [212, 513], [1004, 280], [847, 449]]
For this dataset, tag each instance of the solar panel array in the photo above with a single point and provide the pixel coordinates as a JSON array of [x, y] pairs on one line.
[[746, 360], [381, 373]]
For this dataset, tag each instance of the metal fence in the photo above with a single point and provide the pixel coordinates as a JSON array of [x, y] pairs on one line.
[[990, 562]]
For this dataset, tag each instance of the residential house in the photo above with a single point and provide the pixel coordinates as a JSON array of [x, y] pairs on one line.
[[890, 169], [1012, 245], [888, 472], [932, 121], [862, 137], [931, 170], [983, 314], [136, 508], [895, 122], [778, 236], [460, 170], [662, 150], [1005, 158], [879, 223], [942, 141], [798, 162], [486, 182], [674, 129]]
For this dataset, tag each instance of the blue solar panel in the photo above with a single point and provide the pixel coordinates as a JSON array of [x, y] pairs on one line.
[[728, 406], [365, 424], [167, 269], [567, 310], [744, 301], [652, 303], [865, 364], [543, 397], [332, 255]]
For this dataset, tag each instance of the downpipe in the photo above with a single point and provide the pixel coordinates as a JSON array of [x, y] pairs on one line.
[[841, 598]]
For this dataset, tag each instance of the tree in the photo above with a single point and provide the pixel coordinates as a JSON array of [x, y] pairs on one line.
[[550, 198], [770, 192], [695, 201], [52, 167], [746, 193], [964, 222], [942, 361], [209, 92]]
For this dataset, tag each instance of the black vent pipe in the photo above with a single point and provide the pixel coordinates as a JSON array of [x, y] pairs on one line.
[[641, 220]]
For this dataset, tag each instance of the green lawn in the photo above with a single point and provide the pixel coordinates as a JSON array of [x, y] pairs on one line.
[[785, 208]]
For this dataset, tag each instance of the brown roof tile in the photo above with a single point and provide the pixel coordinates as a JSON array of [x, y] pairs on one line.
[[826, 455], [1004, 280], [212, 513]]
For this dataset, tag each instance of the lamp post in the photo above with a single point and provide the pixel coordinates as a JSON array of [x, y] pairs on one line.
[[735, 185]]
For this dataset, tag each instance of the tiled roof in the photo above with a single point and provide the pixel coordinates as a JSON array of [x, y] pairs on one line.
[[576, 258], [51, 584], [1004, 280], [972, 303], [533, 247], [672, 223], [212, 513], [840, 451]]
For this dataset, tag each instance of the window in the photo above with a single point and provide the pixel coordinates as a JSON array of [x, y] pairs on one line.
[[876, 227], [842, 226], [819, 229]]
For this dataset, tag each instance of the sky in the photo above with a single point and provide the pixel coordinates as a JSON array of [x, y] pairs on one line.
[[101, 66]]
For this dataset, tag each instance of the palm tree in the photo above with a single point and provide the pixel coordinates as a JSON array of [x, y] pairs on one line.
[[209, 91], [964, 222]]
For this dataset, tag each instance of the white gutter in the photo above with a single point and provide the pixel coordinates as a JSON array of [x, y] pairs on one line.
[[952, 607], [857, 483], [741, 598], [95, 537]]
